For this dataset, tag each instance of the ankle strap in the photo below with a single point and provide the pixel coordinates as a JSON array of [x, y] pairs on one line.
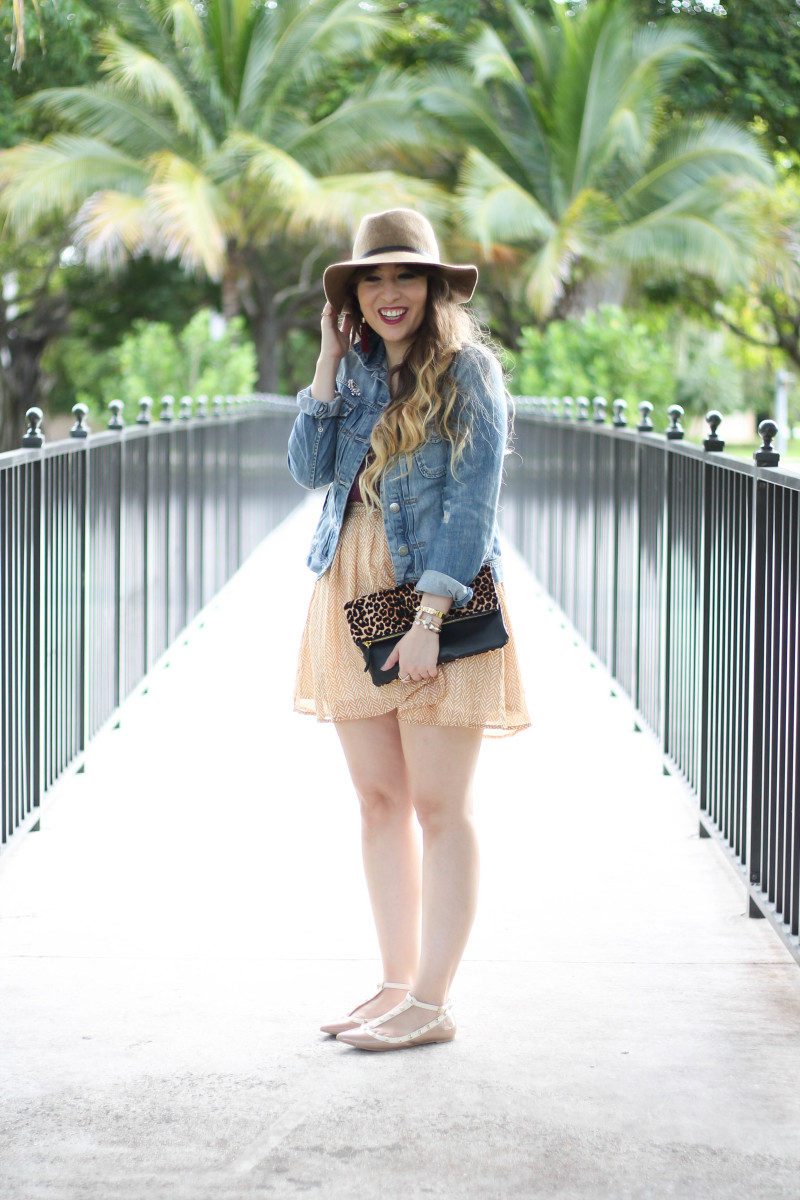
[[386, 984], [435, 1007]]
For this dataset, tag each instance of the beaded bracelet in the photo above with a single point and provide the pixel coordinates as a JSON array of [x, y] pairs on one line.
[[428, 623]]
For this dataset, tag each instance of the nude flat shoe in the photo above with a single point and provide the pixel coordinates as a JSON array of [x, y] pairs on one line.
[[442, 1028], [351, 1022]]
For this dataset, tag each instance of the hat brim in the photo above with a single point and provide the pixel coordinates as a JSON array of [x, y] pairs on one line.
[[463, 279]]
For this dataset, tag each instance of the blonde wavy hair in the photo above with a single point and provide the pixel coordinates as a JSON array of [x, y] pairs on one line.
[[426, 399]]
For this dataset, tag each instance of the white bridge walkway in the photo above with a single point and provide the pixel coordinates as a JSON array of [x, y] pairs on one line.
[[194, 907]]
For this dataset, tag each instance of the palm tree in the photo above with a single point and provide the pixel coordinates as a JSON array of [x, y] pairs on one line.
[[198, 145], [572, 166]]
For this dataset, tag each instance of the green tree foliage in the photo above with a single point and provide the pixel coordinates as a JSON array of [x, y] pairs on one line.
[[639, 355], [198, 144], [155, 360], [64, 52], [570, 169], [756, 62]]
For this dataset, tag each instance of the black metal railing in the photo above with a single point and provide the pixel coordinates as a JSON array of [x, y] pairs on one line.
[[110, 545], [678, 566]]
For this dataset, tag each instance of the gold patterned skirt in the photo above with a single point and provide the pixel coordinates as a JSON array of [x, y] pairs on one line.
[[482, 691]]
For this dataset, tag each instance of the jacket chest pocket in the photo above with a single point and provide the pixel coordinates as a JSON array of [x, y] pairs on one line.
[[431, 457], [351, 446]]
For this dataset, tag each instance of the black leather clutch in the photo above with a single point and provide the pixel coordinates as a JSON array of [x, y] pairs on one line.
[[378, 621], [460, 639]]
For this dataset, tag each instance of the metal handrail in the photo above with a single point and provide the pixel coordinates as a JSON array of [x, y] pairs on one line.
[[110, 545], [678, 566]]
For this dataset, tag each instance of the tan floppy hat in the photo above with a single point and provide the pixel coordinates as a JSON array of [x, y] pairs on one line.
[[399, 235]]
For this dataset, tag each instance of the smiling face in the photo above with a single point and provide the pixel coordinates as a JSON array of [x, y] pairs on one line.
[[392, 298]]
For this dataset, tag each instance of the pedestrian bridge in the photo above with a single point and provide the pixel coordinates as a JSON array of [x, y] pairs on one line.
[[181, 891]]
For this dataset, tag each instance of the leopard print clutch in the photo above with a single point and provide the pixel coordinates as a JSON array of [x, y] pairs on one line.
[[391, 613]]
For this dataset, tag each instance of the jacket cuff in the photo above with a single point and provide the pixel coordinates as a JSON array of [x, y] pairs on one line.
[[317, 408], [444, 585]]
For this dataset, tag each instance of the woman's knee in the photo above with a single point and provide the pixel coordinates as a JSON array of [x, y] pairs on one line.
[[382, 802], [438, 809]]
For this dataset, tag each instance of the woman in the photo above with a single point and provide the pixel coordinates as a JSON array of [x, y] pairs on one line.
[[406, 422]]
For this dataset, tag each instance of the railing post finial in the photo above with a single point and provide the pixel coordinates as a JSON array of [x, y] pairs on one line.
[[201, 409], [186, 408], [145, 405], [766, 456], [167, 409], [712, 442], [645, 424], [674, 430], [566, 407], [80, 429], [583, 408], [33, 437], [619, 406], [115, 420], [599, 405]]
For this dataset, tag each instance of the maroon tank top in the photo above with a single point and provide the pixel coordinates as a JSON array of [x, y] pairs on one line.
[[355, 490]]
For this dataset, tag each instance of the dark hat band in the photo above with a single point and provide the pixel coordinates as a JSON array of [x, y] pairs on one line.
[[392, 250]]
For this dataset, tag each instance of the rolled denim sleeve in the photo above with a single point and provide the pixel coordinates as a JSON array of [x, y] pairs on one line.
[[470, 497], [311, 455]]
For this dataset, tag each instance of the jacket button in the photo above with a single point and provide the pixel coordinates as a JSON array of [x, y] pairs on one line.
[[320, 426], [394, 506], [402, 550]]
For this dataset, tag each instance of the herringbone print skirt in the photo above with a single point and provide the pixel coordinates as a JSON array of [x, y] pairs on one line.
[[483, 691]]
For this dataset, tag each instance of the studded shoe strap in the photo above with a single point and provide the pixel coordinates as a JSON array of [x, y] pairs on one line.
[[407, 1002]]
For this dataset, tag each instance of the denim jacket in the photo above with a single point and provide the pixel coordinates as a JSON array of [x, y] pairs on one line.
[[440, 529]]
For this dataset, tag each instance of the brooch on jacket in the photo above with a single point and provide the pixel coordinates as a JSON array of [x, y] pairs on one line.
[[353, 386]]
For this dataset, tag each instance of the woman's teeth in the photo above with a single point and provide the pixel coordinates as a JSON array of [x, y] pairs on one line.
[[392, 315]]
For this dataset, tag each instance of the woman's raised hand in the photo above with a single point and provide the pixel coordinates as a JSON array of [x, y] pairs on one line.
[[335, 341]]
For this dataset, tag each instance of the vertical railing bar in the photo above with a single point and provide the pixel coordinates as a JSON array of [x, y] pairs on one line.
[[793, 776], [82, 673], [768, 847], [739, 665], [755, 690], [665, 599]]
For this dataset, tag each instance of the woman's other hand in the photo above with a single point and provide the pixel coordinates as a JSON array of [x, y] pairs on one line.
[[335, 344], [416, 653], [335, 341]]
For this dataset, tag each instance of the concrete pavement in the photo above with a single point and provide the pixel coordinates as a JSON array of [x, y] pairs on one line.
[[194, 907]]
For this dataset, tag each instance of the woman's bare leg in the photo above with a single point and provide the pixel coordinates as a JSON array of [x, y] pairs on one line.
[[390, 846], [440, 763]]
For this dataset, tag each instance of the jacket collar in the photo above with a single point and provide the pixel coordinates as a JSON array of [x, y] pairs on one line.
[[374, 360]]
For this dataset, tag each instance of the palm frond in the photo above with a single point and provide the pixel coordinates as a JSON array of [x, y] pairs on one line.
[[290, 46], [144, 23], [263, 165], [111, 227], [338, 202], [669, 47], [538, 44], [487, 58], [387, 106], [522, 153], [673, 245], [691, 155], [53, 178], [496, 209], [135, 72], [189, 215], [99, 111]]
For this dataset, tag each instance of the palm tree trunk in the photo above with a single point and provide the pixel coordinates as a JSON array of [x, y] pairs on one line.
[[264, 326]]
